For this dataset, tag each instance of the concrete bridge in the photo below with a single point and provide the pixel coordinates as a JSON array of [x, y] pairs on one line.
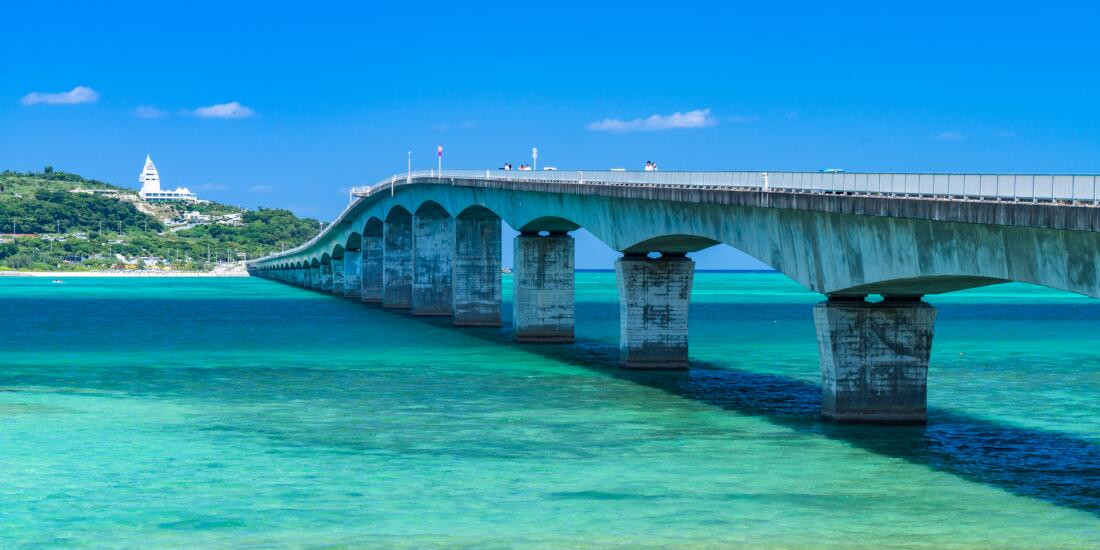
[[431, 243]]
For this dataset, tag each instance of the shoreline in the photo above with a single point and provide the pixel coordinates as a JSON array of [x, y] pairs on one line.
[[149, 274]]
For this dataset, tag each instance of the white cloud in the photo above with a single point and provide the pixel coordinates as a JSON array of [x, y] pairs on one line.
[[79, 94], [261, 189], [950, 136], [212, 187], [699, 118], [147, 111], [232, 109]]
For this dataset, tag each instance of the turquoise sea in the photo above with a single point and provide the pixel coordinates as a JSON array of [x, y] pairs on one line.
[[242, 413]]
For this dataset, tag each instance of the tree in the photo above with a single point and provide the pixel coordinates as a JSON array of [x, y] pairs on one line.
[[48, 170]]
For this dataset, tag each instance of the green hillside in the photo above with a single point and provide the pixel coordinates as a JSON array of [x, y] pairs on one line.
[[54, 220]]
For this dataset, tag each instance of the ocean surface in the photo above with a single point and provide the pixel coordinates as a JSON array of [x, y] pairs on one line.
[[242, 413]]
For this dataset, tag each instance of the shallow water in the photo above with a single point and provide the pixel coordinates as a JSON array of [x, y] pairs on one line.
[[245, 413]]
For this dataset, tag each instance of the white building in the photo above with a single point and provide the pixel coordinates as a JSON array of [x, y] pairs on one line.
[[150, 186]]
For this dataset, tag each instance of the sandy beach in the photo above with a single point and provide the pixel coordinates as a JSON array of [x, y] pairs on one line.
[[113, 273]]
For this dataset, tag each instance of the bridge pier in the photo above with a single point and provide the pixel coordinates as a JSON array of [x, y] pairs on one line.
[[476, 269], [315, 277], [654, 294], [371, 269], [433, 248], [338, 277], [300, 277], [326, 277], [397, 260], [352, 264], [874, 358], [543, 280]]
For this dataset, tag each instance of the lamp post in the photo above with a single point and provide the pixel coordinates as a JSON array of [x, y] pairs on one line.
[[439, 151], [534, 158]]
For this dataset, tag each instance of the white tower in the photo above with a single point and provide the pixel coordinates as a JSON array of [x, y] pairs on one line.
[[149, 179]]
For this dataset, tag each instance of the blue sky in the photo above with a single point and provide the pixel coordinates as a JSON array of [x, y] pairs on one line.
[[288, 105]]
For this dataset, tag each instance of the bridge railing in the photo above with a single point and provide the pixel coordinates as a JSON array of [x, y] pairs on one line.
[[1059, 188], [1079, 189]]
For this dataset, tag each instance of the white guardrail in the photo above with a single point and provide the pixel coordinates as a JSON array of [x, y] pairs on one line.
[[1059, 188], [1066, 189]]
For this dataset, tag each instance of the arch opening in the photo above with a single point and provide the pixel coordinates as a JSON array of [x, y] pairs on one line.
[[550, 224], [433, 209], [373, 227], [398, 214], [354, 242]]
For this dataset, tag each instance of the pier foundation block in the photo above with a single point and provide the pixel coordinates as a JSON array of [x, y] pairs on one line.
[[654, 295], [476, 269], [433, 249], [338, 277], [543, 280], [352, 264], [874, 359], [326, 277], [397, 261], [371, 269]]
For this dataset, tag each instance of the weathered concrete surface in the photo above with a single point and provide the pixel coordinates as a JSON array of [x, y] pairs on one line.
[[433, 249], [315, 277], [654, 295], [372, 269], [326, 277], [338, 276], [397, 242], [543, 280], [352, 265], [874, 359], [831, 244], [477, 269]]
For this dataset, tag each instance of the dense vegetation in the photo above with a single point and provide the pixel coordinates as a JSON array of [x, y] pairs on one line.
[[64, 212], [93, 229]]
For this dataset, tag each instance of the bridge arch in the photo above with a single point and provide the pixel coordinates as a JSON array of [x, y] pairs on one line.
[[397, 212], [671, 243], [354, 241], [337, 252], [554, 224], [432, 208], [477, 211]]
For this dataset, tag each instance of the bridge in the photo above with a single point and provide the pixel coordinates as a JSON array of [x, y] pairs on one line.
[[430, 242]]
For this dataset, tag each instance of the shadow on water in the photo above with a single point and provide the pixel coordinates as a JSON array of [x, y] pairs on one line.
[[1049, 466]]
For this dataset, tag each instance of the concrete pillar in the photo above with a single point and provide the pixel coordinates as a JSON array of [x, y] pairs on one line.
[[874, 358], [338, 276], [371, 269], [542, 305], [654, 294], [326, 277], [397, 262], [300, 276], [315, 277], [476, 270], [433, 248], [352, 264]]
